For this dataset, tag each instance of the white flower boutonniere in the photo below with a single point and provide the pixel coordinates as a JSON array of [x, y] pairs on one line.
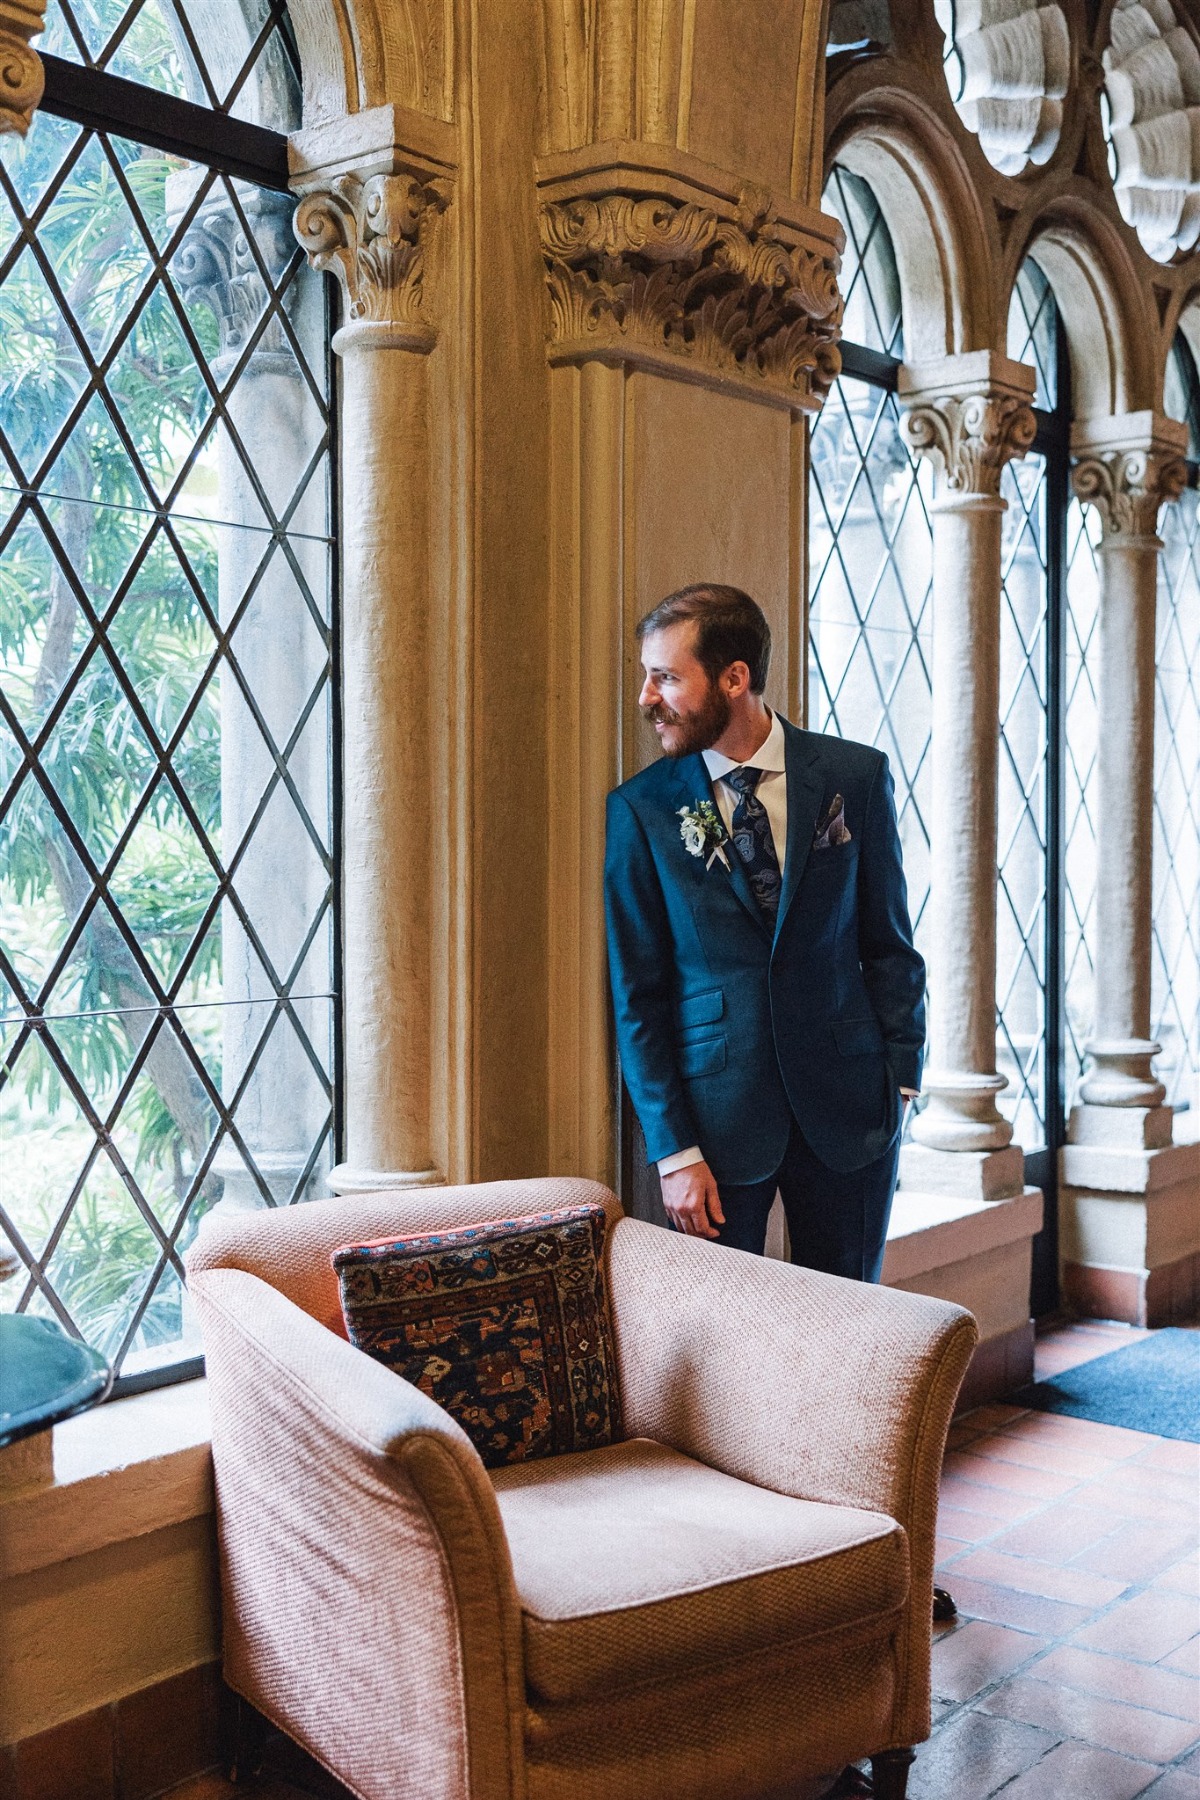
[[703, 832]]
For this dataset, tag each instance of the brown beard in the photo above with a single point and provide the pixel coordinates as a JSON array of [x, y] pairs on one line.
[[701, 730]]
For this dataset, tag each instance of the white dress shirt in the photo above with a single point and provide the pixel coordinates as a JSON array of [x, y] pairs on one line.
[[771, 758]]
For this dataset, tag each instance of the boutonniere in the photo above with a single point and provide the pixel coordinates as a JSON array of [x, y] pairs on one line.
[[703, 832]]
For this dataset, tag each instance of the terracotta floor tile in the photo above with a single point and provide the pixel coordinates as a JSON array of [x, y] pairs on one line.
[[987, 1418], [1078, 1772], [1168, 1453], [1185, 1660], [1058, 1534], [1138, 1684], [1146, 1628], [1066, 1712], [1037, 1484], [1182, 1577], [976, 1654], [994, 1502], [1025, 1612], [1102, 1440], [1174, 1785], [973, 1756], [1039, 1452], [1113, 1495], [1136, 1552], [1078, 1586], [970, 1527], [1137, 1477], [960, 1435], [948, 1548]]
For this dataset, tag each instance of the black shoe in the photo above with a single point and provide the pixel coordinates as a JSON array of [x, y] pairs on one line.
[[944, 1608]]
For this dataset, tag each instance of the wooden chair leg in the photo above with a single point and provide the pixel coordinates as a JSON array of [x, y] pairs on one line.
[[889, 1773], [243, 1738]]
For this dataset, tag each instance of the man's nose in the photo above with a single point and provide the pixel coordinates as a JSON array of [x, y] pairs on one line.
[[649, 695]]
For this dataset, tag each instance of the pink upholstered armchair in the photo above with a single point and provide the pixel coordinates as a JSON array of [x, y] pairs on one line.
[[731, 1603]]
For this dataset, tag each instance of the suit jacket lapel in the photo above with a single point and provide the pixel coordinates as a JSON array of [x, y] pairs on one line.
[[693, 782], [804, 793]]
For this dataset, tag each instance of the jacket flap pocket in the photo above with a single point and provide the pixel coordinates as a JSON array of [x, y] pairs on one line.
[[701, 1009], [857, 1037], [702, 1056]]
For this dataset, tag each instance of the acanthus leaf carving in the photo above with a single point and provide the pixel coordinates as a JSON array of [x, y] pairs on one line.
[[21, 78], [217, 264], [372, 234], [970, 437], [678, 279], [1127, 488]]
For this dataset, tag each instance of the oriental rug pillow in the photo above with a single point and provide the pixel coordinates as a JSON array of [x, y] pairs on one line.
[[504, 1324]]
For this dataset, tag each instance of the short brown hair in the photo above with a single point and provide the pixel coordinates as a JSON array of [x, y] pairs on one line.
[[731, 627]]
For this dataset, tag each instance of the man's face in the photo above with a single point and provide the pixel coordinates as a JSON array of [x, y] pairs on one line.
[[688, 711]]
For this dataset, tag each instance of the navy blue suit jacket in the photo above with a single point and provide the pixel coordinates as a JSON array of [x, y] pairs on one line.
[[724, 1030]]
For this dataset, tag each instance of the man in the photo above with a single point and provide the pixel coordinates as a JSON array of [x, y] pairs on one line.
[[769, 1001]]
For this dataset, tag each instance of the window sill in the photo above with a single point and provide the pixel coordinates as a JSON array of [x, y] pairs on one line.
[[120, 1471]]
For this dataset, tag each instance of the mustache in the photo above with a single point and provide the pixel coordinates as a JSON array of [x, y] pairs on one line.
[[658, 714]]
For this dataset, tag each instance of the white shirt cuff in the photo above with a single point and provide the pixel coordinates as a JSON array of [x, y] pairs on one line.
[[910, 1093], [682, 1159]]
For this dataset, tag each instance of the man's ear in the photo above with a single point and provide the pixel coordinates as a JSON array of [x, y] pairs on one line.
[[736, 679]]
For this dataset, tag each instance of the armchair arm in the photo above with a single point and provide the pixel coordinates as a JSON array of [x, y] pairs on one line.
[[366, 1582], [819, 1388]]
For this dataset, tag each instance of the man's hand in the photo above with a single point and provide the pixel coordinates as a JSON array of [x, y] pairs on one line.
[[692, 1201]]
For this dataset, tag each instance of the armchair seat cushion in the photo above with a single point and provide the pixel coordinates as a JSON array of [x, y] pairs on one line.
[[635, 1563]]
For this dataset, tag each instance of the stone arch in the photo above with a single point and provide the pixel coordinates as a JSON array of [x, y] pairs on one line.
[[356, 54], [939, 230], [1107, 314]]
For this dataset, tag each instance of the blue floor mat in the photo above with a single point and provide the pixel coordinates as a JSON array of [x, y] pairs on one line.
[[1153, 1386]]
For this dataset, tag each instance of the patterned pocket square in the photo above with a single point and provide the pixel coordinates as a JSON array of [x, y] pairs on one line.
[[832, 829]]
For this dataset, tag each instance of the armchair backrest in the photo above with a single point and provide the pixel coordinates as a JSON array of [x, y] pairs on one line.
[[290, 1247]]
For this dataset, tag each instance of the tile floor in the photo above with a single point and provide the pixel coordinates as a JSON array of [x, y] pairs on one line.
[[1073, 1670]]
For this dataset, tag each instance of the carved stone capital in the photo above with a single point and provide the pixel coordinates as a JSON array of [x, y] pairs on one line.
[[373, 235], [217, 264], [1126, 466], [970, 437], [727, 293], [969, 414], [1127, 488], [21, 79]]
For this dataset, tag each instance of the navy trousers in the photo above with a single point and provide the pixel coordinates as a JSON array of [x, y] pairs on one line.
[[837, 1223]]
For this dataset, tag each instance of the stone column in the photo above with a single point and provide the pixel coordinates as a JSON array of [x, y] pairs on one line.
[[1126, 468], [370, 226], [1130, 1198], [969, 415]]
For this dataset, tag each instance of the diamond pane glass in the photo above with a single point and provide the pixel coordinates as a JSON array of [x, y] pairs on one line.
[[1022, 795], [166, 639], [870, 614], [1175, 968], [1080, 820], [1033, 331], [869, 282], [238, 58]]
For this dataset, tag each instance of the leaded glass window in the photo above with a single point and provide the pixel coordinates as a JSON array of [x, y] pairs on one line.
[[869, 546], [1022, 804], [1175, 966], [166, 648]]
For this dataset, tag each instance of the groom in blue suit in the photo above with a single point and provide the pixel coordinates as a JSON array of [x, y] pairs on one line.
[[769, 1002]]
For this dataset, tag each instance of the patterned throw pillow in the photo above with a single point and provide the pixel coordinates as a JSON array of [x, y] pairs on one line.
[[504, 1324]]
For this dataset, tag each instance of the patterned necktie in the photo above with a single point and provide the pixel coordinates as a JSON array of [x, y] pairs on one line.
[[753, 841]]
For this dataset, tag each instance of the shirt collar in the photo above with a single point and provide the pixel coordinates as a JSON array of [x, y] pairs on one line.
[[771, 757]]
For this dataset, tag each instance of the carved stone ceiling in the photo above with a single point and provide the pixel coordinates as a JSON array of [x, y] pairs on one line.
[[1152, 82]]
